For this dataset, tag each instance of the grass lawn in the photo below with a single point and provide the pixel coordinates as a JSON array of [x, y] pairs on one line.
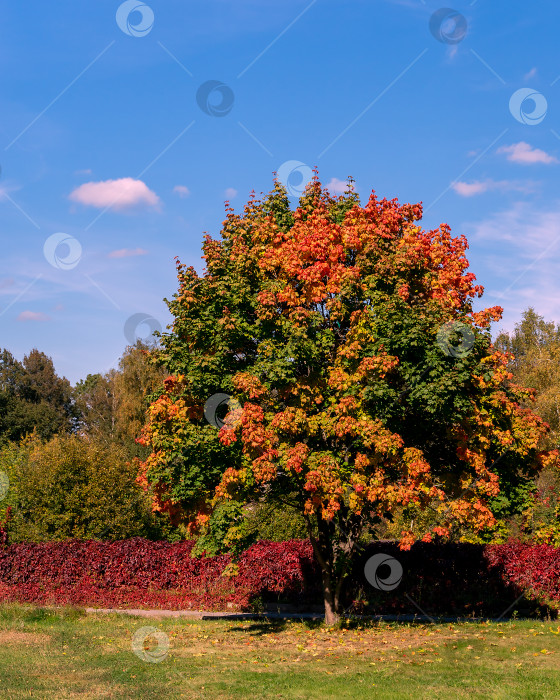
[[68, 654]]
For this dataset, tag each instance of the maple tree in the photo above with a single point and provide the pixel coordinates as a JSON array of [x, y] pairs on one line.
[[363, 380]]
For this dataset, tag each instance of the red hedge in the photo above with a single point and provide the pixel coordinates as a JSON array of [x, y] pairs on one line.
[[454, 578], [528, 567], [139, 572]]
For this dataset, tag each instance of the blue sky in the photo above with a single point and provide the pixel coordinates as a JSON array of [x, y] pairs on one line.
[[109, 138]]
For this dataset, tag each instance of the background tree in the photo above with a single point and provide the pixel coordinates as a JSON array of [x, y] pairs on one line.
[[534, 362], [84, 486], [113, 405], [328, 326], [137, 378], [535, 346], [10, 378], [95, 401], [34, 397]]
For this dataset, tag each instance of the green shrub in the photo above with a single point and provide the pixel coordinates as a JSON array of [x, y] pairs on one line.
[[72, 487]]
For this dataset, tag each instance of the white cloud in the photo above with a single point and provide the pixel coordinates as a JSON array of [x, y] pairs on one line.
[[127, 252], [125, 193], [452, 52], [520, 247], [524, 153], [5, 190], [524, 226], [470, 189], [230, 193], [336, 186], [33, 316], [182, 191], [466, 189]]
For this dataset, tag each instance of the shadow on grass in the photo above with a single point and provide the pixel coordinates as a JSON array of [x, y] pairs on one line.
[[265, 627], [260, 628]]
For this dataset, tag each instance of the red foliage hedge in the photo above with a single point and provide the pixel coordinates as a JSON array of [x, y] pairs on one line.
[[533, 568], [439, 579], [139, 572]]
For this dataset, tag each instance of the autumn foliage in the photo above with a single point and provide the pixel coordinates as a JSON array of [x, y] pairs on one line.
[[447, 579], [366, 382], [143, 573]]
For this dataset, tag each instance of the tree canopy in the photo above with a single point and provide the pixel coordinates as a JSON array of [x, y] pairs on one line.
[[34, 397], [67, 454], [112, 406], [534, 346], [363, 378]]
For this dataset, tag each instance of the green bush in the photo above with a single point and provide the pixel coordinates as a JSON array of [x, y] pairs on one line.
[[72, 487]]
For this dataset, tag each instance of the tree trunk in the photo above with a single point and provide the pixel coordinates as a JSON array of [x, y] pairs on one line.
[[330, 598], [324, 554]]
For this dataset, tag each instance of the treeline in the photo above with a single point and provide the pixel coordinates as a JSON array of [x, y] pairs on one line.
[[109, 407], [70, 453], [535, 343], [34, 398]]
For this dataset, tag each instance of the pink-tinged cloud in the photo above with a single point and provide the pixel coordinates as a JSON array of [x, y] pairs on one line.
[[33, 316], [470, 189], [127, 252], [231, 193], [125, 193], [182, 191], [524, 153], [336, 186]]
